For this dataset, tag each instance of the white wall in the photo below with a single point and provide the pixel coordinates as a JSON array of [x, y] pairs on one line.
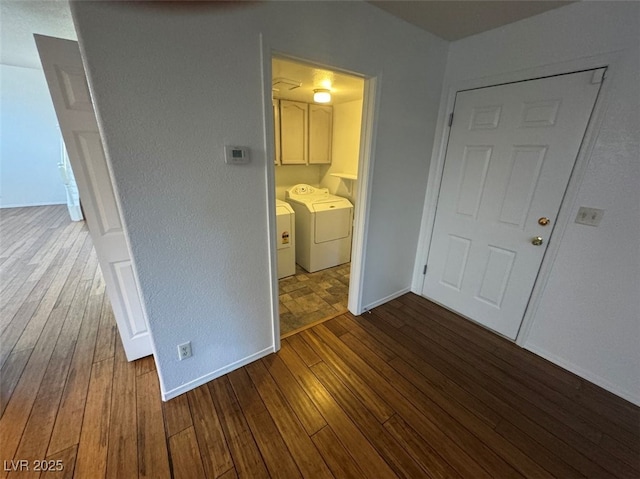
[[345, 149], [172, 85], [588, 319], [29, 140]]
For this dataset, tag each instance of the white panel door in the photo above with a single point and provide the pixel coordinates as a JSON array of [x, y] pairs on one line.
[[67, 83], [510, 155]]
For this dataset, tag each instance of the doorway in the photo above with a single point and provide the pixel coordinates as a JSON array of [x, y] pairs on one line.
[[511, 153], [317, 145]]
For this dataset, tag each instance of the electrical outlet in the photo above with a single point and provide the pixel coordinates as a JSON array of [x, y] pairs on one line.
[[184, 350], [589, 216]]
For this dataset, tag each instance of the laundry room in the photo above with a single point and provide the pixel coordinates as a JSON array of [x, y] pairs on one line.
[[317, 123]]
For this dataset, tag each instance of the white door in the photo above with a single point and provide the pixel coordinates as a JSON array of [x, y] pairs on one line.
[[511, 151], [67, 82]]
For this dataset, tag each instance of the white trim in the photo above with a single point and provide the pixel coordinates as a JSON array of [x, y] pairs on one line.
[[269, 135], [28, 205], [584, 374], [386, 299], [363, 194], [183, 388], [436, 167]]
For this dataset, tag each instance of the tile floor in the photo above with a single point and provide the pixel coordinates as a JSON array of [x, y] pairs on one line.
[[307, 298]]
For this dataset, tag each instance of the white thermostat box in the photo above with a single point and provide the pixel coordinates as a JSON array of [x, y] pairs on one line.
[[236, 155]]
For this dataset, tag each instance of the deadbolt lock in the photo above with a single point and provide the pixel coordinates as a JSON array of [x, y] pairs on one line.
[[543, 221], [537, 241]]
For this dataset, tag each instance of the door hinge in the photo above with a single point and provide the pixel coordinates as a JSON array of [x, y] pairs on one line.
[[450, 119], [424, 270]]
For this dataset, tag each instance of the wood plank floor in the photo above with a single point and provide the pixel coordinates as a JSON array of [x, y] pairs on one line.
[[409, 390]]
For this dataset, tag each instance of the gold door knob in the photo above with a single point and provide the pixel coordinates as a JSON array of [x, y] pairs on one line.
[[543, 221], [537, 241]]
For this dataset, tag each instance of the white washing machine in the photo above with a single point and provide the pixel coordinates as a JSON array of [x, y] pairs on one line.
[[323, 227], [286, 238]]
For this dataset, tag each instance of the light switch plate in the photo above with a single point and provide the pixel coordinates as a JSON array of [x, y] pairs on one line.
[[589, 216]]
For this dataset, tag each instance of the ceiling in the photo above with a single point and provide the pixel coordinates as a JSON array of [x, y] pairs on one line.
[[20, 19], [287, 74], [448, 19], [456, 19]]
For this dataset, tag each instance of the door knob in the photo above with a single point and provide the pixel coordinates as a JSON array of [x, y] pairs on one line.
[[544, 221], [537, 240]]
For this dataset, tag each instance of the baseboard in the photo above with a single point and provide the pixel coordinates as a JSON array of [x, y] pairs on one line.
[[27, 205], [166, 395], [386, 299], [594, 378]]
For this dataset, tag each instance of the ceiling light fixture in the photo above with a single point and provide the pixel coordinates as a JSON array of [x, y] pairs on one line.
[[321, 96]]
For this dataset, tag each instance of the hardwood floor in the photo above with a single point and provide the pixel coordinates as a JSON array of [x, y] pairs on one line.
[[409, 390]]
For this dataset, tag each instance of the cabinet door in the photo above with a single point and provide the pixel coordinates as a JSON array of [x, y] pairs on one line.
[[276, 129], [320, 126], [293, 132]]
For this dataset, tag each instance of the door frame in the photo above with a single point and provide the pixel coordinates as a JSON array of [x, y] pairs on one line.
[[441, 139], [368, 128]]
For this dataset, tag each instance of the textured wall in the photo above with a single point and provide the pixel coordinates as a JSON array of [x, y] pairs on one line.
[[347, 124], [589, 315], [172, 84]]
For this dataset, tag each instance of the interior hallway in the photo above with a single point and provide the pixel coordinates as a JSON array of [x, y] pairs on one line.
[[410, 390]]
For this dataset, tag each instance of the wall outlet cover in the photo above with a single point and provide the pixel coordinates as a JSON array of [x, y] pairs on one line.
[[184, 350]]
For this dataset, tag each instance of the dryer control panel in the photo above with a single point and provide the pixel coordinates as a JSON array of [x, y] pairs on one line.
[[303, 190], [306, 190]]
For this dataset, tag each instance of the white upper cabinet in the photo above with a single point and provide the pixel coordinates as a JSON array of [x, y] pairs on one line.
[[293, 132], [302, 133], [320, 126]]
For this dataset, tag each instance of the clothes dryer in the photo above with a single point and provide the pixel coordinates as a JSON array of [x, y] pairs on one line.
[[323, 227]]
